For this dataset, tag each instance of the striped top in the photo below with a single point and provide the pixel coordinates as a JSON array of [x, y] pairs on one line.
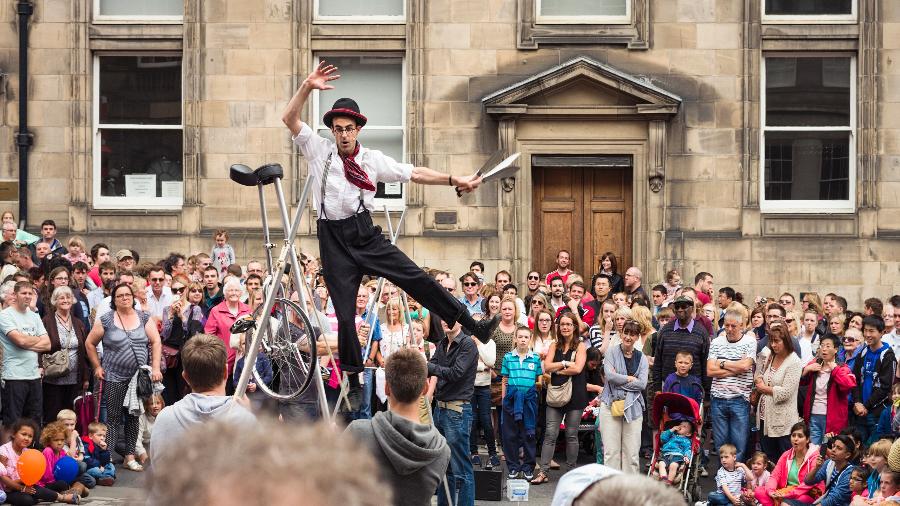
[[124, 350], [519, 372], [740, 385]]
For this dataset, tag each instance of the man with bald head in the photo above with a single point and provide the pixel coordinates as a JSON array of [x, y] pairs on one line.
[[633, 277]]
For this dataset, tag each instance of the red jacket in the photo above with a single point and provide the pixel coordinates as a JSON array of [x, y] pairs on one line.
[[840, 385], [219, 324]]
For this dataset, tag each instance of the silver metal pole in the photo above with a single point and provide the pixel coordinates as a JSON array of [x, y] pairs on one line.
[[300, 284], [267, 241], [263, 323]]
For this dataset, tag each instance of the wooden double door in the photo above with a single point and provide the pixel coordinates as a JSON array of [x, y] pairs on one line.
[[586, 210]]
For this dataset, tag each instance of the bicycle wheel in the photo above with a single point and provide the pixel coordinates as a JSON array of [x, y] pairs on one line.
[[289, 348]]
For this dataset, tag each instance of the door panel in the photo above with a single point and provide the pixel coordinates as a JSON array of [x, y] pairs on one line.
[[584, 210]]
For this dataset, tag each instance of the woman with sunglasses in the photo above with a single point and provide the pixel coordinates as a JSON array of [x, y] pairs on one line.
[[852, 346], [537, 304], [181, 321]]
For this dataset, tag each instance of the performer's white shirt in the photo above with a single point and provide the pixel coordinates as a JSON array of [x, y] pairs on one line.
[[341, 196]]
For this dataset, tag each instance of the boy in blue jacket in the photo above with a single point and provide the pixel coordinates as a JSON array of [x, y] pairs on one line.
[[676, 449], [97, 456]]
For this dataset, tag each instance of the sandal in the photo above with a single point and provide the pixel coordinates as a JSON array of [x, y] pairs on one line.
[[553, 464], [540, 478], [69, 497], [132, 465]]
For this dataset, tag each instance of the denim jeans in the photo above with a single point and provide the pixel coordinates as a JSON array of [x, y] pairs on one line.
[[816, 429], [107, 471], [731, 423], [481, 418], [455, 427], [865, 424], [365, 404], [718, 499]]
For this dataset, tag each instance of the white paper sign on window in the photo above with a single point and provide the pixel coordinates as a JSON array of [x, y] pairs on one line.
[[393, 189], [140, 185], [172, 189]]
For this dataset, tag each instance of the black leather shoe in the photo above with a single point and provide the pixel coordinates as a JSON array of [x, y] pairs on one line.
[[484, 328]]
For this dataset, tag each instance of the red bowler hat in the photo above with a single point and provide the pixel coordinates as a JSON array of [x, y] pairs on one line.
[[344, 107]]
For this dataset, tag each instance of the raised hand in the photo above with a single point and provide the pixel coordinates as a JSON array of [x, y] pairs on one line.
[[319, 78]]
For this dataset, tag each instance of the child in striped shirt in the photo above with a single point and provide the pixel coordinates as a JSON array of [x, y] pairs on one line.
[[520, 371]]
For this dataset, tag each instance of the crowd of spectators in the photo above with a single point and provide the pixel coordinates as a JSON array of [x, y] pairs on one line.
[[800, 385]]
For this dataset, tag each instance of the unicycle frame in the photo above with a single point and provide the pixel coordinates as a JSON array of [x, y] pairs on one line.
[[287, 257]]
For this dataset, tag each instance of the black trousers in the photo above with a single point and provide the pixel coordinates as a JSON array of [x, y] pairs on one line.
[[22, 398], [354, 246], [58, 397]]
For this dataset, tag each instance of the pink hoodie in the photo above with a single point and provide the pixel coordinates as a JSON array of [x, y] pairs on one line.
[[779, 477], [52, 459]]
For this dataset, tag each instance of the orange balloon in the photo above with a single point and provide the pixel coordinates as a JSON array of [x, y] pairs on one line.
[[31, 466]]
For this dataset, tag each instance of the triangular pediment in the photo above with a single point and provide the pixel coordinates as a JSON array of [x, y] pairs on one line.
[[586, 87]]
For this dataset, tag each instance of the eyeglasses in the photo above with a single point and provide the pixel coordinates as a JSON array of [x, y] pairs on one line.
[[124, 295], [545, 320], [338, 130], [61, 278], [157, 280], [178, 290], [567, 324], [469, 283], [534, 277], [195, 290]]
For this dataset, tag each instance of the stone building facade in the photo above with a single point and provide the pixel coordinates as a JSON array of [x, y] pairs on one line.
[[755, 139]]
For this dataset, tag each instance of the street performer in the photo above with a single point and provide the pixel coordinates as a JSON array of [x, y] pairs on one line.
[[344, 178]]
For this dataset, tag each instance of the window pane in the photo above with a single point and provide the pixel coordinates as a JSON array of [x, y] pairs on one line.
[[375, 82], [808, 7], [142, 8], [361, 7], [808, 91], [140, 152], [143, 90], [807, 166], [583, 7]]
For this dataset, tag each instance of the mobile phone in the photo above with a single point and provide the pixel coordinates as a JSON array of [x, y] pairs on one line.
[[820, 361]]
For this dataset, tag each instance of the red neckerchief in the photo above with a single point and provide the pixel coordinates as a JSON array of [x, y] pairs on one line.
[[354, 173]]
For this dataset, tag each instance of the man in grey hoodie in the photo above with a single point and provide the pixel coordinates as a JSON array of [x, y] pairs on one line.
[[205, 370], [413, 457]]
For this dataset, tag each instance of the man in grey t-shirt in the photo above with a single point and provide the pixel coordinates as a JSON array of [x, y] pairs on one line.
[[23, 336]]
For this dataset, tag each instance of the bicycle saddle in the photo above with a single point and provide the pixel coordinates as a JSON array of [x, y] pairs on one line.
[[242, 325], [243, 175], [269, 172]]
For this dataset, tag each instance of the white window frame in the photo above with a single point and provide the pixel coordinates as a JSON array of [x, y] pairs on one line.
[[808, 206], [397, 204], [806, 19], [369, 20], [582, 20], [142, 20], [107, 202]]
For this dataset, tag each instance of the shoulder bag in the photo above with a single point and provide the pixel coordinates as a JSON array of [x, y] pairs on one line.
[[56, 364], [560, 395]]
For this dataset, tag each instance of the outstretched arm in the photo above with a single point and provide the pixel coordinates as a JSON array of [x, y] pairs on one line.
[[317, 80], [424, 175]]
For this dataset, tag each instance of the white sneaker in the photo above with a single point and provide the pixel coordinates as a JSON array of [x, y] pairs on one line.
[[703, 472], [700, 503]]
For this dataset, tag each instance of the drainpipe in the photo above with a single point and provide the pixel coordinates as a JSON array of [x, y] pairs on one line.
[[24, 139]]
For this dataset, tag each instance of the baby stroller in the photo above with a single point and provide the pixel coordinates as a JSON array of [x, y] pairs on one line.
[[669, 409]]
